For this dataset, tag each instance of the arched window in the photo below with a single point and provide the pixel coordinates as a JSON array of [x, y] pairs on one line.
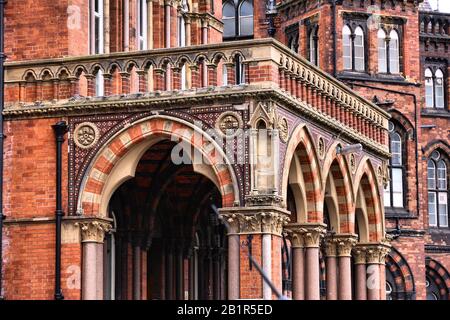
[[99, 84], [229, 19], [359, 49], [314, 47], [347, 48], [439, 89], [437, 191], [246, 18], [434, 89], [394, 54], [429, 88], [237, 17], [382, 52], [393, 193], [353, 49]]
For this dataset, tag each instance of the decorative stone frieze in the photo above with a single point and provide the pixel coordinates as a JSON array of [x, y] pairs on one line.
[[94, 231]]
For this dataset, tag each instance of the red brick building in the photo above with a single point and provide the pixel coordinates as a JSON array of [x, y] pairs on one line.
[[318, 128]]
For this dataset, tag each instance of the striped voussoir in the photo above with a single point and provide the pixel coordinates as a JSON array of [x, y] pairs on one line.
[[136, 133], [341, 177], [367, 180], [437, 273], [302, 145], [401, 272]]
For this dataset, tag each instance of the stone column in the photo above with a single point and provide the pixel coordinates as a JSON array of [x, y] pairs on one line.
[[344, 247], [167, 6], [359, 256], [296, 234], [136, 267], [188, 30], [375, 255], [232, 224], [149, 24], [264, 224], [106, 25], [331, 266], [169, 272], [126, 25], [313, 235], [92, 237]]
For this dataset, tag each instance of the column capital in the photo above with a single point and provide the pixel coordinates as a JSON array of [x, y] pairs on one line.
[[359, 254], [296, 235], [330, 247], [314, 232], [377, 252], [257, 220], [345, 243], [94, 231]]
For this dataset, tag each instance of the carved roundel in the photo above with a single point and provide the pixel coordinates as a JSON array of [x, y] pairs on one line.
[[86, 135], [229, 123], [283, 127], [321, 148]]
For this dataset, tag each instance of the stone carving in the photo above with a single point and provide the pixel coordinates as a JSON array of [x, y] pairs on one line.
[[330, 247], [263, 200], [352, 163], [228, 123], [262, 222], [359, 255], [345, 244], [93, 231], [86, 135], [283, 127], [376, 254], [313, 235], [321, 148]]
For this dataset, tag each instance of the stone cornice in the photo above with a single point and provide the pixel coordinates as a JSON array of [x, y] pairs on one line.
[[159, 101]]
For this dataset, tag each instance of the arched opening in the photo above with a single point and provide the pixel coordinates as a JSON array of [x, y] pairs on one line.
[[168, 242]]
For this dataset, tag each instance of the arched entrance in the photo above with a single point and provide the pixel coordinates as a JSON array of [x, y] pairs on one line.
[[168, 241], [156, 183]]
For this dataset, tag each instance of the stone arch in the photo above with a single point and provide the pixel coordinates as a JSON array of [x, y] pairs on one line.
[[435, 145], [437, 272], [116, 162], [302, 158], [400, 270], [366, 185], [335, 168]]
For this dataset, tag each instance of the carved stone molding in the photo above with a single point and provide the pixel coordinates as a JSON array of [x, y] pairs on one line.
[[344, 244], [94, 231], [263, 200], [283, 127], [265, 220]]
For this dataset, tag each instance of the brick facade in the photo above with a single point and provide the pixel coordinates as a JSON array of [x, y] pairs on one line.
[[144, 101]]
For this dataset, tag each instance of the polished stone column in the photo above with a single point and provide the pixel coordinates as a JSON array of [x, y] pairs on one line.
[[359, 256], [179, 270], [331, 268], [344, 247], [92, 237], [313, 236], [167, 22], [169, 271], [375, 255], [296, 234]]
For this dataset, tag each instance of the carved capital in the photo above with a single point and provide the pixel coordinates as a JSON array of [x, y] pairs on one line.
[[344, 244], [313, 234], [296, 235], [330, 247], [359, 254], [94, 231], [376, 253], [264, 220]]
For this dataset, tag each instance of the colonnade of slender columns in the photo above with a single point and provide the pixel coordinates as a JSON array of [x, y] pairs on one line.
[[365, 269]]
